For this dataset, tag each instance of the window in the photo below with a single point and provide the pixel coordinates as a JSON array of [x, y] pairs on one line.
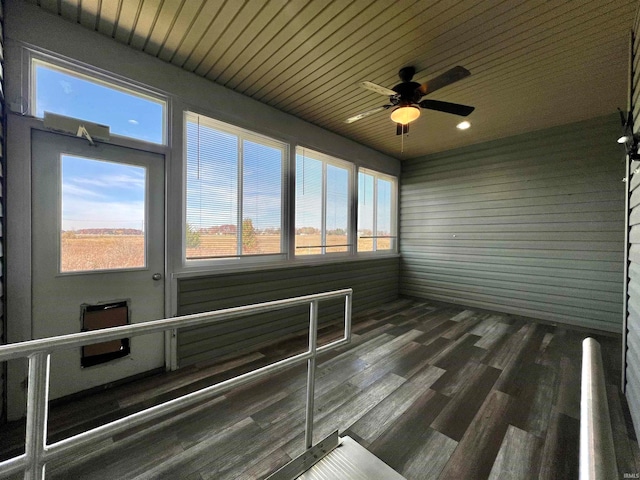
[[102, 215], [67, 92], [322, 203], [234, 191], [376, 212]]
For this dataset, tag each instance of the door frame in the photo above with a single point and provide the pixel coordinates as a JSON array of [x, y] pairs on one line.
[[19, 249]]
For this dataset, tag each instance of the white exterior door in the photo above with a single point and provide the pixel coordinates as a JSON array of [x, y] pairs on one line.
[[98, 240]]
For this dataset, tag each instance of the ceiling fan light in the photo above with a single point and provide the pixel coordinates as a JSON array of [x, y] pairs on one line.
[[405, 115]]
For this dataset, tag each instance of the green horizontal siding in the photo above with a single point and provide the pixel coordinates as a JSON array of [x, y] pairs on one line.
[[531, 225], [374, 282], [631, 342]]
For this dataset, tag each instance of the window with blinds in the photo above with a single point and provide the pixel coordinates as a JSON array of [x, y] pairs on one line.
[[322, 204], [376, 212], [234, 191]]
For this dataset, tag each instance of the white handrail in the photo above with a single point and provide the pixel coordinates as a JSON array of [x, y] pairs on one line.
[[597, 453], [38, 453]]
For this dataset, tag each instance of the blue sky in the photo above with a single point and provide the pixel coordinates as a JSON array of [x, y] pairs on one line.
[[126, 114], [366, 184], [212, 179], [99, 194], [309, 194]]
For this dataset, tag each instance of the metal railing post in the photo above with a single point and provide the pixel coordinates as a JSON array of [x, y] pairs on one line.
[[311, 372], [37, 411], [38, 453], [597, 453], [347, 316]]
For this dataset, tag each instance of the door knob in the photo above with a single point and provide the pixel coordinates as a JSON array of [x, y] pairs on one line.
[[157, 276]]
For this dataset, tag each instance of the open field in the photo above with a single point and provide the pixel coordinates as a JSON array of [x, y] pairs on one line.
[[225, 245], [104, 252], [308, 244], [101, 252]]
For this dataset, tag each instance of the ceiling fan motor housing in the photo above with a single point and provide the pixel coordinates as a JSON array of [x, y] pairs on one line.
[[407, 73], [408, 93]]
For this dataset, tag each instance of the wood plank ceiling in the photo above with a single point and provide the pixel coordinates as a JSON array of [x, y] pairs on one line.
[[534, 64]]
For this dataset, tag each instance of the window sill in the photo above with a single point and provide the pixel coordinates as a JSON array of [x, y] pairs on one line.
[[211, 270]]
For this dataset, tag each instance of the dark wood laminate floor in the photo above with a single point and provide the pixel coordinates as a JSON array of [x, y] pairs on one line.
[[434, 390]]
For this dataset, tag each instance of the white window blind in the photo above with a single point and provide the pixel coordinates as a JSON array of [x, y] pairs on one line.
[[234, 191], [322, 204], [376, 212]]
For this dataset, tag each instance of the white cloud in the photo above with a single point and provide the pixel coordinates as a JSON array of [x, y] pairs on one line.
[[112, 181], [133, 122], [66, 87], [71, 190], [96, 214]]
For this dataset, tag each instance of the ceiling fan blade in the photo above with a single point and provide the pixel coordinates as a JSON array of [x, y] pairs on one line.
[[455, 108], [447, 78], [377, 88], [366, 114]]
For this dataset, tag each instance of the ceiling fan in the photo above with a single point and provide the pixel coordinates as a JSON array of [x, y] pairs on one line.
[[407, 97]]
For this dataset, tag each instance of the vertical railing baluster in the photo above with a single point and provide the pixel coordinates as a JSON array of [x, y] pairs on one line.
[[37, 453], [37, 411], [311, 372], [347, 316]]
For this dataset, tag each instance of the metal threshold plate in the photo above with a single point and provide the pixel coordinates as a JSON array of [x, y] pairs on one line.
[[350, 461]]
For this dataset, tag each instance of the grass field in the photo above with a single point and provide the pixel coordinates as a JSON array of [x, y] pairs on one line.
[[105, 252], [227, 245], [101, 252]]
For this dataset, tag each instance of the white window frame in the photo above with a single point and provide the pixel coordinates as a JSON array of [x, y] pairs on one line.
[[394, 212], [34, 58], [350, 167], [240, 259]]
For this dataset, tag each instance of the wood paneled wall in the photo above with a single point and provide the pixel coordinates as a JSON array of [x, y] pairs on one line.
[[632, 332], [531, 224], [373, 281]]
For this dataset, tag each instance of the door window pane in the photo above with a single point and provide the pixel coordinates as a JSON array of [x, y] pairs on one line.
[[102, 215]]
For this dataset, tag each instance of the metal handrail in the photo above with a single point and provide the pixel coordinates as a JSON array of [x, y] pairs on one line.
[[597, 453], [38, 453]]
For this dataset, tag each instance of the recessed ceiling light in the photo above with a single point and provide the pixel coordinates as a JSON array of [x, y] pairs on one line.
[[463, 125]]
